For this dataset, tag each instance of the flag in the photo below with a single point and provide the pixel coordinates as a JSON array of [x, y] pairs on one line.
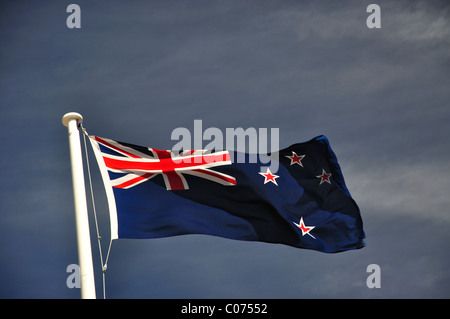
[[304, 203]]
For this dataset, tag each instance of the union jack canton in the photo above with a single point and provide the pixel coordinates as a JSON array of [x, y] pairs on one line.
[[140, 165]]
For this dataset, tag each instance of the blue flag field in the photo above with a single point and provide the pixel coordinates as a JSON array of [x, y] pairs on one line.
[[304, 203]]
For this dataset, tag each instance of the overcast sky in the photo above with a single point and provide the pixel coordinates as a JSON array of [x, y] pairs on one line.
[[136, 70]]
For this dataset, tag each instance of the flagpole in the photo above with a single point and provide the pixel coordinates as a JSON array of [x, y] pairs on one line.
[[71, 121]]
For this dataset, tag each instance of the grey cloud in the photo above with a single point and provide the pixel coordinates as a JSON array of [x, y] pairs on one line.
[[138, 71]]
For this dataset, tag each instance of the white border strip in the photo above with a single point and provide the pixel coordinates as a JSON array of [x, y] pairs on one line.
[[108, 189]]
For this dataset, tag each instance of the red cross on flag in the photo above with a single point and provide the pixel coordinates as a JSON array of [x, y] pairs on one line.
[[141, 167]]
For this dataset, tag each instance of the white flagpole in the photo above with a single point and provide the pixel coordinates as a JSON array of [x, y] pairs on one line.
[[71, 121]]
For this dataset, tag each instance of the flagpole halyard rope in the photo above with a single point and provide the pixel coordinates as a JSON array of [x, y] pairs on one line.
[[103, 265]]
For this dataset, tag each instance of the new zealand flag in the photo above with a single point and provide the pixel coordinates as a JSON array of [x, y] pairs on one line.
[[157, 193]]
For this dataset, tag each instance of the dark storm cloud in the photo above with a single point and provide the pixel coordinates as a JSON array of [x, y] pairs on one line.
[[137, 71]]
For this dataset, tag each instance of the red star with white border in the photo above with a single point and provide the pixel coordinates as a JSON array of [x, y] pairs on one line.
[[269, 177], [296, 159], [305, 229], [325, 177]]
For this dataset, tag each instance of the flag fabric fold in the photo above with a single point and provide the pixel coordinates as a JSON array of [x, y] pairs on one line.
[[156, 193]]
